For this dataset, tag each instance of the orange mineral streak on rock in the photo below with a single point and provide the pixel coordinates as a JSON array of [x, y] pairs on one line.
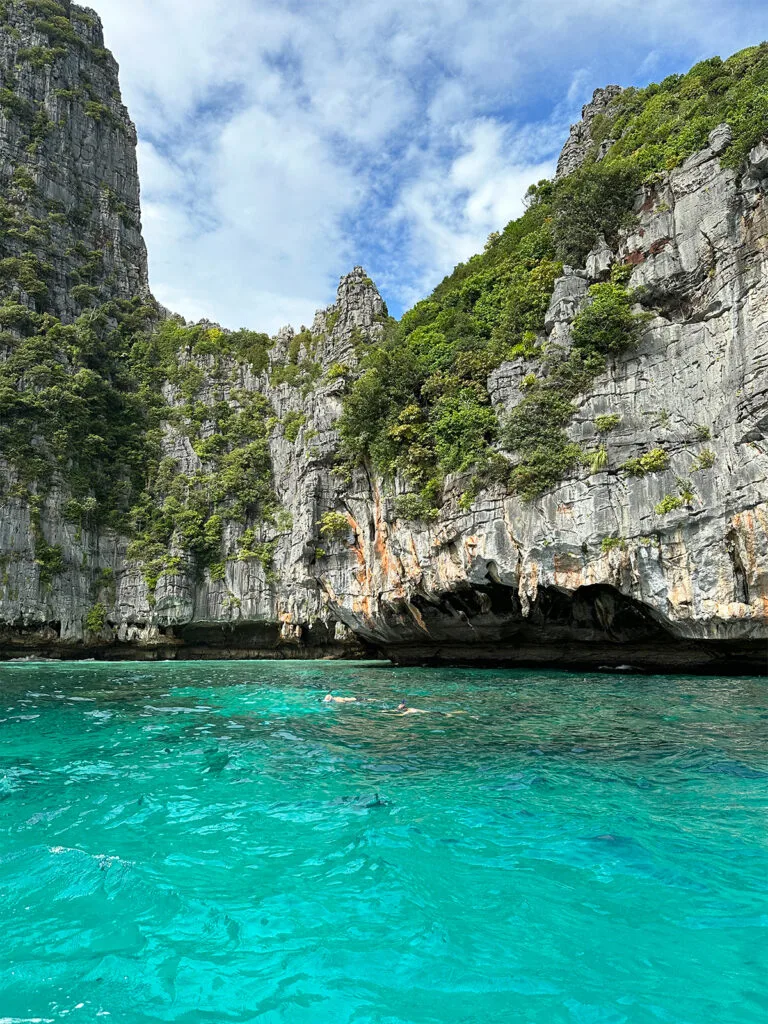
[[679, 581], [362, 574], [402, 570], [751, 526], [534, 575], [291, 632], [361, 606], [380, 536], [387, 568], [417, 617], [361, 602], [742, 521], [569, 572]]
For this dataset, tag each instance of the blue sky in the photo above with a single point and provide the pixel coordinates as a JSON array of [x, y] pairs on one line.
[[282, 142]]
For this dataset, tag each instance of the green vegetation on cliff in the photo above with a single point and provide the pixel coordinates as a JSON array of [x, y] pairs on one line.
[[656, 128], [85, 402], [179, 519], [70, 403], [421, 405], [88, 402]]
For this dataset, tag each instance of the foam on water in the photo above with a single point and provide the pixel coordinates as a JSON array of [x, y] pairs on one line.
[[211, 843]]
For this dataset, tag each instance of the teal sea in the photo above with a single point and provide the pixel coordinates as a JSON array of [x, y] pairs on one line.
[[212, 843]]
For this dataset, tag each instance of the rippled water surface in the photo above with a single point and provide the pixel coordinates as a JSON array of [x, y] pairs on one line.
[[211, 843]]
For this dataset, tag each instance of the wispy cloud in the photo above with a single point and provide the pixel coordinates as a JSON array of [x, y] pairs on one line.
[[284, 141]]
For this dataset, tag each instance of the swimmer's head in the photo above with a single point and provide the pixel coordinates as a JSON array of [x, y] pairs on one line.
[[328, 698], [403, 706]]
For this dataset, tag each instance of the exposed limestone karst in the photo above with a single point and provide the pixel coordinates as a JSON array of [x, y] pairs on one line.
[[68, 139], [580, 139], [591, 572]]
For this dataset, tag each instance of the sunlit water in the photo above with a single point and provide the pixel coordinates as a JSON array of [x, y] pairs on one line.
[[211, 843]]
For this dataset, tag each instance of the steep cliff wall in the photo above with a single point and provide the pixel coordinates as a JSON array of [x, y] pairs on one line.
[[70, 241], [240, 525], [68, 177], [665, 568]]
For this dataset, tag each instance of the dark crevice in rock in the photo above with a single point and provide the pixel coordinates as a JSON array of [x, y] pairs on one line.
[[596, 627], [741, 583]]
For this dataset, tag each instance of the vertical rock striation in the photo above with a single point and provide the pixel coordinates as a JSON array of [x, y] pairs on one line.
[[68, 171]]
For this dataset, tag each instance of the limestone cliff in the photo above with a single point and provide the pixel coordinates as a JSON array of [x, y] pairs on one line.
[[663, 569], [67, 158], [580, 140], [592, 571]]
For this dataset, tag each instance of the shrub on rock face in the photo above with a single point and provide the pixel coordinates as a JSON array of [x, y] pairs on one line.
[[605, 424], [544, 467], [668, 504], [598, 459], [292, 424], [607, 324], [334, 525], [461, 427], [416, 508], [96, 619], [595, 200], [706, 460], [655, 461]]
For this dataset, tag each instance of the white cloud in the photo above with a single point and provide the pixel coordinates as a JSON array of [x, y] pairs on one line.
[[449, 212], [284, 141]]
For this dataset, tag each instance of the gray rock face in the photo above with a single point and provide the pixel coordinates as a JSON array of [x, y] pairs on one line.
[[595, 563], [68, 159], [505, 385], [251, 612], [758, 159], [591, 573], [720, 139], [580, 140], [600, 261], [567, 299]]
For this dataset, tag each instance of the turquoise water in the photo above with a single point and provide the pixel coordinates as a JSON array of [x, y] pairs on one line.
[[211, 843]]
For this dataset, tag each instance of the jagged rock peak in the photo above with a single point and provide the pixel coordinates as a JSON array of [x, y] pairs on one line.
[[358, 302], [357, 290], [580, 140], [358, 313]]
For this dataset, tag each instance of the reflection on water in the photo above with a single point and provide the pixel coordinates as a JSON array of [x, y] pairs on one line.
[[211, 842]]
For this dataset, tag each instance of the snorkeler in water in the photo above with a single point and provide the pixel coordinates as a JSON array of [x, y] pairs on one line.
[[403, 708], [330, 699]]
